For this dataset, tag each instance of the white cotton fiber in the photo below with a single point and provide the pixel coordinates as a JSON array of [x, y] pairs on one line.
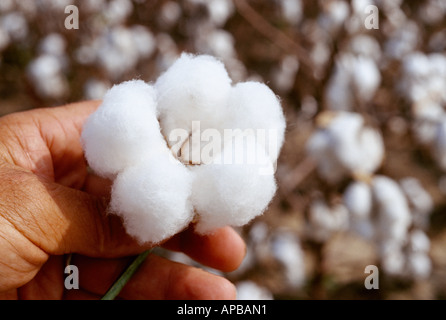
[[252, 105], [194, 88], [122, 129], [153, 198], [344, 146], [161, 184], [232, 193], [394, 213], [358, 200]]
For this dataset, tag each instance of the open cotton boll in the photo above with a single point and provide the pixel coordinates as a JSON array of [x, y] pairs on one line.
[[287, 250], [393, 209], [325, 220], [419, 199], [343, 146], [232, 192], [122, 129], [153, 198], [253, 105], [195, 87], [328, 166], [392, 257], [358, 200]]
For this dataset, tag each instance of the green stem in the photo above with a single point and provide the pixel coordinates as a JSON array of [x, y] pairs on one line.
[[116, 288]]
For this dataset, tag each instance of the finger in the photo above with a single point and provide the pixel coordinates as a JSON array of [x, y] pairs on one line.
[[223, 250], [157, 278], [62, 220]]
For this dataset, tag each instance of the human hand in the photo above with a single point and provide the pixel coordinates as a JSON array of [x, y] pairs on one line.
[[50, 206]]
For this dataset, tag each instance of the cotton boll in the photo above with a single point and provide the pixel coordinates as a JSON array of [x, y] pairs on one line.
[[366, 78], [46, 75], [426, 119], [356, 148], [287, 250], [419, 265], [117, 51], [325, 220], [196, 87], [152, 197], [358, 200], [232, 193], [117, 11], [292, 11], [372, 150], [144, 41], [393, 209], [418, 261], [219, 11], [249, 290], [419, 199], [252, 105], [53, 44], [328, 166], [95, 89], [338, 93], [122, 129], [365, 46], [16, 25], [392, 257], [285, 74], [419, 241]]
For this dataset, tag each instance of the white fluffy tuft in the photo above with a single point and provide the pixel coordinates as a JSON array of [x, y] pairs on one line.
[[153, 199], [158, 192]]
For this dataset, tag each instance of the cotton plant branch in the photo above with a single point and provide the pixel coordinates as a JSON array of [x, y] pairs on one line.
[[279, 38], [120, 283]]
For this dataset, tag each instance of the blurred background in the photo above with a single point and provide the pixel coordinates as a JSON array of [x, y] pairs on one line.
[[362, 174]]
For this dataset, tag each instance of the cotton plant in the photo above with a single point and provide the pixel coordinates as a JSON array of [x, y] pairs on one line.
[[424, 80], [153, 141], [393, 216]]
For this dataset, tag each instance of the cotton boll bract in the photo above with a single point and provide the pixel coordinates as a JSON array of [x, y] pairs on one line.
[[122, 128], [196, 87], [153, 198]]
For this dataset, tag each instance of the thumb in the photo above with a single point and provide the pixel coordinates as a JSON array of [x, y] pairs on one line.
[[62, 220]]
